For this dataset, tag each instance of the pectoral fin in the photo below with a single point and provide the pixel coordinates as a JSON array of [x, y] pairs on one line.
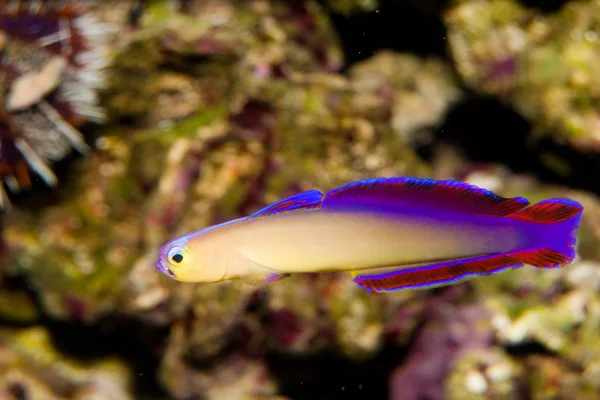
[[259, 275], [263, 278]]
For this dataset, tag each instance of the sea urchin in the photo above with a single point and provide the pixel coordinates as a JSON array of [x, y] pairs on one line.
[[52, 63]]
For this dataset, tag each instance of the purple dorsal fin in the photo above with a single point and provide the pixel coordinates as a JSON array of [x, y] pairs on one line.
[[421, 195], [305, 200]]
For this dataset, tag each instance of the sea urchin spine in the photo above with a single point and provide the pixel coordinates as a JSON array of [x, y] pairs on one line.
[[52, 62]]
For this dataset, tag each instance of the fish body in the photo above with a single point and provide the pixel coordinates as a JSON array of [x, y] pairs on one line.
[[356, 240], [390, 233]]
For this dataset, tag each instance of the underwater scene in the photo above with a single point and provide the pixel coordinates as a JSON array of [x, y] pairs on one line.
[[299, 199]]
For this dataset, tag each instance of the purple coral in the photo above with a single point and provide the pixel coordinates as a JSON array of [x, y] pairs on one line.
[[449, 332], [285, 327]]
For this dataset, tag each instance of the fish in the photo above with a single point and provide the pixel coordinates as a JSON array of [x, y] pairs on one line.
[[390, 234]]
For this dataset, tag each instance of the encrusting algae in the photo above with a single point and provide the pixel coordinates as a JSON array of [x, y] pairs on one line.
[[31, 368], [543, 65]]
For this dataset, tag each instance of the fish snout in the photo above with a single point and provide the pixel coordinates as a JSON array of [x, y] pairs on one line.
[[160, 266]]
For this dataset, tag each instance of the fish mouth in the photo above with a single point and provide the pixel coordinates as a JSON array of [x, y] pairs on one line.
[[161, 267]]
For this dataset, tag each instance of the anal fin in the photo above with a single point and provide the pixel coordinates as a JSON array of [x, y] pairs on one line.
[[428, 276]]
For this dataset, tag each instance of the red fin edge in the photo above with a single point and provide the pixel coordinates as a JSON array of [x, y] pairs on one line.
[[452, 272], [549, 211], [426, 277], [543, 258]]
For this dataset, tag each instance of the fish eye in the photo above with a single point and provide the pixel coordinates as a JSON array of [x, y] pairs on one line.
[[175, 255]]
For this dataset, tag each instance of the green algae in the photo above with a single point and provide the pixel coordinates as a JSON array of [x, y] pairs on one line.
[[31, 360], [542, 65], [18, 306], [131, 91], [350, 7]]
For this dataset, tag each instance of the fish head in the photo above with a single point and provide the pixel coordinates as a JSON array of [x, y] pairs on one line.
[[203, 256], [174, 259], [192, 258]]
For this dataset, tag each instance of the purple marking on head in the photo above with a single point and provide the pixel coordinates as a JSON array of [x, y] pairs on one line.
[[163, 255], [160, 266]]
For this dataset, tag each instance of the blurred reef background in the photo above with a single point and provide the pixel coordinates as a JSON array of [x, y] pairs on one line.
[[126, 123]]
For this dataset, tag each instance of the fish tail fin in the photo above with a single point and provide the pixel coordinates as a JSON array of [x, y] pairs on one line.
[[550, 211], [554, 236], [553, 239]]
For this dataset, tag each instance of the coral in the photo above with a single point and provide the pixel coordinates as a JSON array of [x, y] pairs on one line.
[[417, 92], [483, 375], [450, 331], [235, 377], [52, 58], [16, 305], [549, 377], [30, 367], [217, 125], [87, 243], [542, 65], [218, 108], [556, 309], [352, 6], [362, 323]]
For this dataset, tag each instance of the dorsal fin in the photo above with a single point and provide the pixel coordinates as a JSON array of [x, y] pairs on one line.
[[422, 195], [305, 200]]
